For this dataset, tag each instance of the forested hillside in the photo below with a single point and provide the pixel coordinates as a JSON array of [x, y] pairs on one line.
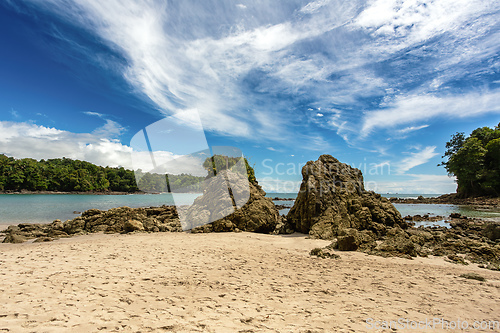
[[67, 175], [62, 174]]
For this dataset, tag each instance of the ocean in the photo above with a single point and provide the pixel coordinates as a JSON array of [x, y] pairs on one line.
[[45, 208]]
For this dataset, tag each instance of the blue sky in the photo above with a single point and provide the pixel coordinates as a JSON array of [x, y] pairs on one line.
[[380, 85]]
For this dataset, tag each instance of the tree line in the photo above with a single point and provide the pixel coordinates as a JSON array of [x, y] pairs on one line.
[[62, 175], [475, 162], [67, 175]]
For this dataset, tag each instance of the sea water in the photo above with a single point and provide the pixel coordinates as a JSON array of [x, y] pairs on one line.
[[45, 208], [443, 210]]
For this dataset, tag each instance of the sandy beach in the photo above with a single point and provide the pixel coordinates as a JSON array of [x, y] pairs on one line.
[[229, 282]]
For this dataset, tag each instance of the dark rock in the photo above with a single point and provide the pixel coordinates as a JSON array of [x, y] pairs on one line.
[[457, 259], [455, 215], [347, 243], [258, 214], [332, 198], [14, 238], [473, 276], [74, 226], [12, 229], [492, 231], [91, 212], [397, 242], [324, 253]]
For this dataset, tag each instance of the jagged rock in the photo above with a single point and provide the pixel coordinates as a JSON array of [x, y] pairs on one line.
[[347, 243], [283, 227], [397, 242], [492, 231], [14, 238], [133, 225], [332, 198], [258, 214], [74, 226]]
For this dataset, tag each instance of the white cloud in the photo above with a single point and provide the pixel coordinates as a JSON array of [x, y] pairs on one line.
[[420, 157], [92, 113], [411, 109], [26, 140], [178, 72], [415, 184], [328, 50], [418, 20], [314, 6], [111, 129], [411, 129], [14, 113]]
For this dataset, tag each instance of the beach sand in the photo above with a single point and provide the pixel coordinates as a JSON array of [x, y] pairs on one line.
[[228, 282]]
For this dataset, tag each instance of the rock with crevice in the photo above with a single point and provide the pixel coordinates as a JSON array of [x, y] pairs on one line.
[[332, 198], [257, 213]]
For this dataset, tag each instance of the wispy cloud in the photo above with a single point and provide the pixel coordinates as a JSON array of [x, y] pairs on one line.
[[413, 109], [14, 113], [415, 183], [417, 158], [410, 129], [251, 70], [111, 129]]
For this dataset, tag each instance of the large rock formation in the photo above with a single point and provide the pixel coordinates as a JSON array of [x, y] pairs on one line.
[[332, 198], [245, 207]]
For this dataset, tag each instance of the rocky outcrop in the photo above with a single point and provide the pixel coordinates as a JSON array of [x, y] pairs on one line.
[[332, 198], [467, 241], [116, 220], [454, 199], [258, 214]]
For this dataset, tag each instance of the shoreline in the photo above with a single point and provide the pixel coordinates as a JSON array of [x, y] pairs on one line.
[[75, 193], [451, 199]]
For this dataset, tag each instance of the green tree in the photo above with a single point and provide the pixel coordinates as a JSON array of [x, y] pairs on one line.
[[475, 161]]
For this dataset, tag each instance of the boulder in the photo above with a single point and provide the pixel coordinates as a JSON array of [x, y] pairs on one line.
[[133, 225], [332, 197], [347, 243], [492, 231]]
